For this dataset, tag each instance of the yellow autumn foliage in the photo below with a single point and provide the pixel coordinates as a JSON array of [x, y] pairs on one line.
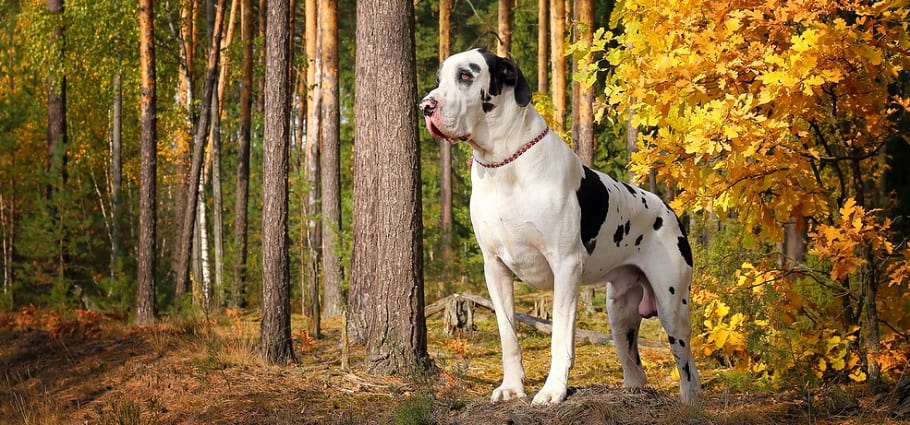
[[760, 113]]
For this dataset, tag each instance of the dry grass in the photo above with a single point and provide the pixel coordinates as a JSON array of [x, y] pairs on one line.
[[207, 371]]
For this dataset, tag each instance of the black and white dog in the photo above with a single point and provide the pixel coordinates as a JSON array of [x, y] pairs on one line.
[[539, 213]]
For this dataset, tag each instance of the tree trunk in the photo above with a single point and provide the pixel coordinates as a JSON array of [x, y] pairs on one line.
[[56, 131], [543, 38], [217, 218], [275, 334], [147, 249], [445, 148], [583, 121], [116, 176], [558, 61], [310, 269], [504, 46], [200, 257], [199, 142], [184, 97], [387, 267], [238, 287], [226, 59], [8, 241], [330, 161]]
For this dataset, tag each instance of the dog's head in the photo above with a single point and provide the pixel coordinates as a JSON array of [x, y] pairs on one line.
[[472, 85]]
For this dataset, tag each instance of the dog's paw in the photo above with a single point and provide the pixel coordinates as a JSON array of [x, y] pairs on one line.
[[550, 394], [506, 393]]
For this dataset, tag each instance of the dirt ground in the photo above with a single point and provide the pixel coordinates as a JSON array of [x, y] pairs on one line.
[[98, 370]]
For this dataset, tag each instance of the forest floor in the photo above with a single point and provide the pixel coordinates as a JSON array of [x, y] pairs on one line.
[[94, 369]]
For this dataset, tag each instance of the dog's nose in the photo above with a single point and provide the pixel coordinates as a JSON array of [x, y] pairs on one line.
[[428, 106]]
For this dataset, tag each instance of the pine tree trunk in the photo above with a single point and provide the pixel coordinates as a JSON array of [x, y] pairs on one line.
[[310, 270], [583, 121], [217, 218], [116, 176], [504, 23], [241, 195], [147, 249], [56, 133], [445, 148], [184, 98], [543, 38], [275, 333], [558, 61], [387, 300], [330, 161]]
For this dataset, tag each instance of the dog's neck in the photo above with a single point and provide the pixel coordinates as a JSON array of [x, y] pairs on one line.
[[506, 135]]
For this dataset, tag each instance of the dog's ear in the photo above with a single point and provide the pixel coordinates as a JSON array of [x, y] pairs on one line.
[[504, 72]]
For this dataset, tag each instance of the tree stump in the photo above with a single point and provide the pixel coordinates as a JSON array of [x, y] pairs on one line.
[[542, 307], [458, 316]]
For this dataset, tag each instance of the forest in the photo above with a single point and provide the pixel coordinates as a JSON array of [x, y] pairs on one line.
[[228, 211]]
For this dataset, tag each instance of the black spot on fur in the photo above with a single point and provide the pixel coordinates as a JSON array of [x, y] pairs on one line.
[[627, 227], [672, 290], [630, 338], [672, 340], [594, 201], [685, 302], [486, 100], [682, 343], [684, 249], [630, 189], [688, 372], [474, 67], [658, 222], [617, 236], [644, 201], [638, 240]]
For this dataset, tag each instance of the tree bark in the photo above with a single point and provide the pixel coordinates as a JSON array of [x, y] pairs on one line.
[[387, 267], [217, 216], [238, 287], [310, 269], [445, 148], [543, 38], [558, 61], [330, 161], [583, 122], [184, 97], [116, 175], [504, 46], [56, 132], [147, 249], [199, 142], [275, 333]]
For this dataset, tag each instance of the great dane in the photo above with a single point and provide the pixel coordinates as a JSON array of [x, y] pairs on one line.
[[539, 213]]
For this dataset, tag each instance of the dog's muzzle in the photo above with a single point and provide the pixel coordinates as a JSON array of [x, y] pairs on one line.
[[428, 106]]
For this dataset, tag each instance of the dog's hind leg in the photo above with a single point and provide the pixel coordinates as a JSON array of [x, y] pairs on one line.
[[624, 294], [671, 289], [501, 288]]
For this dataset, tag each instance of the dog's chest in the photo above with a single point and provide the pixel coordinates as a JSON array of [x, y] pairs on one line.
[[524, 226]]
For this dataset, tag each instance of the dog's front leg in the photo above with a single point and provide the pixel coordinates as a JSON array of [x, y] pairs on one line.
[[562, 345], [500, 286]]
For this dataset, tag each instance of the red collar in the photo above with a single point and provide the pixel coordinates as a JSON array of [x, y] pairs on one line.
[[515, 155]]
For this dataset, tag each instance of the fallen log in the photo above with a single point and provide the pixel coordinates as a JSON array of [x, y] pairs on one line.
[[540, 325]]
